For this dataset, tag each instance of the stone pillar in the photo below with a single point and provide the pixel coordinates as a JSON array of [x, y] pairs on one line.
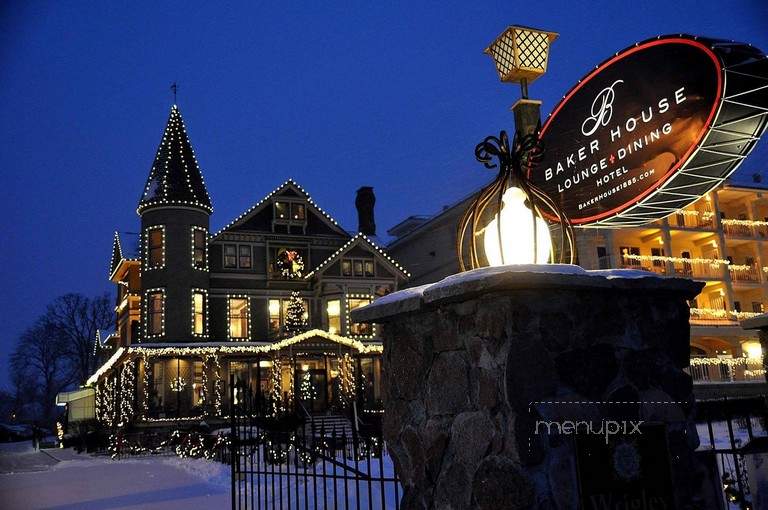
[[473, 362]]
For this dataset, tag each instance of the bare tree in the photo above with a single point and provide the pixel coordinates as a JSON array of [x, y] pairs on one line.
[[75, 318], [39, 369]]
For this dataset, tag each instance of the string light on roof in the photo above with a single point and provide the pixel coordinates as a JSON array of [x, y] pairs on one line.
[[270, 195], [174, 143], [349, 243]]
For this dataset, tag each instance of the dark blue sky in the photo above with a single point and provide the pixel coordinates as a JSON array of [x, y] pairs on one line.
[[335, 95]]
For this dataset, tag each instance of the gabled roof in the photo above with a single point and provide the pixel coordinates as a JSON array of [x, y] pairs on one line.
[[117, 254], [255, 208], [101, 340], [358, 239], [175, 177], [120, 254]]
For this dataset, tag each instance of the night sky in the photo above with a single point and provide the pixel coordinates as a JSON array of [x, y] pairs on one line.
[[336, 97]]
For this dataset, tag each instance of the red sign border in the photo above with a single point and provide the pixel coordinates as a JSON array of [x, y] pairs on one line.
[[704, 130]]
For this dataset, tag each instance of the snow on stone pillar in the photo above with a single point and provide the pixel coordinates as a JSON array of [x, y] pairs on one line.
[[475, 363]]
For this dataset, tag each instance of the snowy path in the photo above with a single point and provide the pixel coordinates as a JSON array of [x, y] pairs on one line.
[[89, 483]]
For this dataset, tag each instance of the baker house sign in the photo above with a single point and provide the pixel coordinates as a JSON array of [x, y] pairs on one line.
[[652, 129]]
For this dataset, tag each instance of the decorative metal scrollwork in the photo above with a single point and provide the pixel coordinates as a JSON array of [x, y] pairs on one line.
[[514, 162]]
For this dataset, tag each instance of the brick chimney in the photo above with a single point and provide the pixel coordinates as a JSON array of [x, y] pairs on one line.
[[364, 203]]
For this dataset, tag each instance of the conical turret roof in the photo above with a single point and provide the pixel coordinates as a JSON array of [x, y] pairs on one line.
[[175, 177]]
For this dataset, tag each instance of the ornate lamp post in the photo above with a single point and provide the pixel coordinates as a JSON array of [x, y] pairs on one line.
[[510, 214]]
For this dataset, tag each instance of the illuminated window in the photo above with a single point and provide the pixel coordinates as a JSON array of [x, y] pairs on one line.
[[274, 316], [155, 248], [359, 328], [199, 248], [357, 267], [230, 255], [198, 313], [278, 311], [156, 312], [238, 317], [297, 212], [334, 316], [282, 210], [244, 256]]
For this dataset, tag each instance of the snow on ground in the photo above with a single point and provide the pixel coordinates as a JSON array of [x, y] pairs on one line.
[[100, 483]]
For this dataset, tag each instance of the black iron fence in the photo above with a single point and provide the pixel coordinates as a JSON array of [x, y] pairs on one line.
[[732, 430], [283, 463]]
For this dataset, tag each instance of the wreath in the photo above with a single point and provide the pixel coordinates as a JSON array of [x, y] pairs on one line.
[[289, 263]]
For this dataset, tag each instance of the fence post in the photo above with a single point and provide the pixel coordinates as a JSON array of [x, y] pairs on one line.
[[233, 440]]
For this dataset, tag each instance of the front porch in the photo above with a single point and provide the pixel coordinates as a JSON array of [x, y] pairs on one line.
[[314, 372]]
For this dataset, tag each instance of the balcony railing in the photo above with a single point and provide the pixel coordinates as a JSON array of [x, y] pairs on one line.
[[726, 370], [693, 219], [748, 273], [715, 315], [745, 228]]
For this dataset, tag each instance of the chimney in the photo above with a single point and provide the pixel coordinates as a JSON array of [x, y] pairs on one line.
[[364, 203]]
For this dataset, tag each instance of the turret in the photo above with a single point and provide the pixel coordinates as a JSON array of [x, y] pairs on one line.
[[175, 211]]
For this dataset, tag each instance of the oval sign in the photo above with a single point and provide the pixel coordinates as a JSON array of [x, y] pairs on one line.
[[629, 143]]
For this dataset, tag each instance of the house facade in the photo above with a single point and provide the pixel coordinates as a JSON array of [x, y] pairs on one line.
[[263, 301], [721, 240]]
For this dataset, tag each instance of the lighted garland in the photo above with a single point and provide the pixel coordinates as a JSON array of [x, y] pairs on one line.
[[720, 314], [204, 385], [145, 385], [216, 384], [680, 260], [729, 362], [275, 396], [60, 434], [127, 392], [347, 383]]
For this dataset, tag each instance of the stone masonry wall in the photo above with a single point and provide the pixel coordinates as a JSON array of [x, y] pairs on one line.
[[467, 376]]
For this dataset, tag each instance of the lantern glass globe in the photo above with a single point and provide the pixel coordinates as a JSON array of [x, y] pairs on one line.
[[517, 233]]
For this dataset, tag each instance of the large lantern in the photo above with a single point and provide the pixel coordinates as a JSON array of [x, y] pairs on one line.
[[508, 222]]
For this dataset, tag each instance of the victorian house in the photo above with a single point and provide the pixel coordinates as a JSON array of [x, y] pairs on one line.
[[264, 301]]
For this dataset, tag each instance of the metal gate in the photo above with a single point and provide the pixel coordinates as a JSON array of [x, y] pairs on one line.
[[289, 463]]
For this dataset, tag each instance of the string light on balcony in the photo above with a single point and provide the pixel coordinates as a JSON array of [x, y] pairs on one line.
[[679, 260], [720, 314], [729, 362], [744, 223]]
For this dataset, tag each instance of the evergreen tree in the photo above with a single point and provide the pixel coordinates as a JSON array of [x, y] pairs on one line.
[[307, 389], [295, 322]]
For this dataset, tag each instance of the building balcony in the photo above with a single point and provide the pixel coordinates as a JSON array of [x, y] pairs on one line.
[[714, 316], [674, 266], [696, 220], [748, 229], [726, 370], [744, 273]]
